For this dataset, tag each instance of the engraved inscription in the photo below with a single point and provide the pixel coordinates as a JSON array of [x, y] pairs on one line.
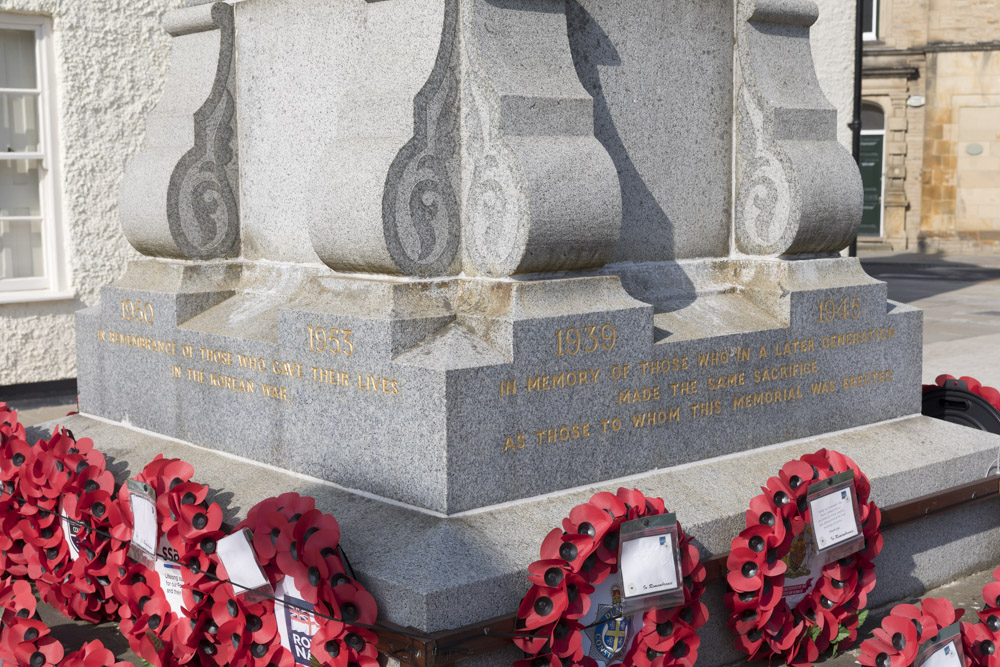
[[573, 341], [137, 311], [332, 340], [831, 309]]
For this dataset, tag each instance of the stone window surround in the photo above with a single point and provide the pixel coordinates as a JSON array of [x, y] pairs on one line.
[[54, 283]]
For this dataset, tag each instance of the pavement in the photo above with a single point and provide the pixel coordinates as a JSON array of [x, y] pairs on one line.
[[960, 296]]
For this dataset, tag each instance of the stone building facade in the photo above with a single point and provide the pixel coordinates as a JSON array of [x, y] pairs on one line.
[[931, 87]]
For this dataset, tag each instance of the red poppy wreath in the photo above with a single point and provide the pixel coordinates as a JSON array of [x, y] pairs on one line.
[[153, 617], [561, 622], [783, 601], [25, 640], [321, 611], [907, 629]]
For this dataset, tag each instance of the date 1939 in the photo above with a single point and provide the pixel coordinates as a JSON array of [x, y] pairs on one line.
[[587, 339]]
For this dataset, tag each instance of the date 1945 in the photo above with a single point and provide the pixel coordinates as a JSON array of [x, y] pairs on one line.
[[844, 309]]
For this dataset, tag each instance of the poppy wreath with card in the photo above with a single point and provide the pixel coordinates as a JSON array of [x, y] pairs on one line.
[[906, 629], [293, 542], [833, 607], [583, 554], [25, 640], [191, 526], [62, 471]]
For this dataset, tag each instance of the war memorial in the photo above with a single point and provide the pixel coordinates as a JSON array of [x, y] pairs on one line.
[[452, 267]]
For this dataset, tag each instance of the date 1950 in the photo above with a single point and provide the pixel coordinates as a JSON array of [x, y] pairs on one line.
[[587, 339], [844, 309], [137, 311]]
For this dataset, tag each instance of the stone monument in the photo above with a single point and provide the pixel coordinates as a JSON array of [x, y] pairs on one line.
[[453, 265]]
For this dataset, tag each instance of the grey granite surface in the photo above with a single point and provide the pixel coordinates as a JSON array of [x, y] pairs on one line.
[[436, 573], [455, 394]]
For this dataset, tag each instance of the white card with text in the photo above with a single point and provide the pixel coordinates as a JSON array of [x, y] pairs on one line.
[[648, 565], [833, 518], [237, 556], [144, 528]]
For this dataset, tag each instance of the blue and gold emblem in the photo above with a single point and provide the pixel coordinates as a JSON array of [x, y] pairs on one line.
[[610, 635]]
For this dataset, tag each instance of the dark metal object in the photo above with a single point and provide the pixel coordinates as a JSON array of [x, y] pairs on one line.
[[956, 404], [855, 123], [447, 647]]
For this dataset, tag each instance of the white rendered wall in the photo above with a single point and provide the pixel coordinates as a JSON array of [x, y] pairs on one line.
[[110, 58], [832, 40]]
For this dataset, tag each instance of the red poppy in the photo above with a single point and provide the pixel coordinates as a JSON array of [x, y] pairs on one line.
[[32, 644], [980, 645], [925, 624], [941, 610], [92, 654], [894, 644]]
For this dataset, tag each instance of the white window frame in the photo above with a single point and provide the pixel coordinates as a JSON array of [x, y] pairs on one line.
[[873, 34], [54, 281]]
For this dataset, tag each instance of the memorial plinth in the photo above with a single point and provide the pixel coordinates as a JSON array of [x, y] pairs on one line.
[[446, 258]]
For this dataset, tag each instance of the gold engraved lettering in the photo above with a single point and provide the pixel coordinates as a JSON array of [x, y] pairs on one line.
[[684, 388], [176, 371], [287, 368], [832, 309], [784, 372], [376, 384], [251, 363], [514, 443], [563, 380], [508, 387], [216, 356], [760, 398], [276, 392], [137, 311], [639, 395], [621, 372], [706, 409], [659, 366], [858, 337], [331, 377], [333, 340], [726, 381], [141, 343], [614, 424], [563, 433], [866, 379], [573, 341], [714, 358], [194, 375], [656, 418], [794, 347], [824, 387], [102, 335], [231, 383]]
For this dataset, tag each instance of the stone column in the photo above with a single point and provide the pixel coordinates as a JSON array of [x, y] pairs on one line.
[[797, 190], [494, 171], [188, 162]]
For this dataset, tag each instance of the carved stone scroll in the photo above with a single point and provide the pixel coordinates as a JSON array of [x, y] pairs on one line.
[[498, 172], [797, 189], [199, 217]]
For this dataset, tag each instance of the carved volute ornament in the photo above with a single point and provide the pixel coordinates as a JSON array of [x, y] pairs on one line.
[[797, 190], [199, 182]]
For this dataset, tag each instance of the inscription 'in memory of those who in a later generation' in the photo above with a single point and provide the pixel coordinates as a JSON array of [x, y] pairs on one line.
[[784, 373]]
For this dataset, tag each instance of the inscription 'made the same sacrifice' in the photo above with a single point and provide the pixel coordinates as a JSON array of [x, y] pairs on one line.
[[783, 372]]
